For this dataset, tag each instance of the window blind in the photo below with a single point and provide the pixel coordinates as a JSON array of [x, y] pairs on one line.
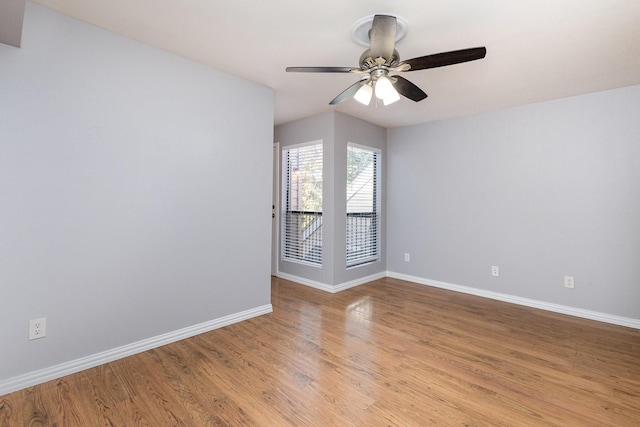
[[362, 205], [302, 204]]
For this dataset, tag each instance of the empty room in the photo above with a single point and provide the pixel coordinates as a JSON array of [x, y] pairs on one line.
[[365, 213]]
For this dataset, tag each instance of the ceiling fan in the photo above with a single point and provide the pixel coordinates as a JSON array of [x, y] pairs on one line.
[[381, 59]]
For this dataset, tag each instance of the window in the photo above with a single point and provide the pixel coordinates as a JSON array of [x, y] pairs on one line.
[[362, 205], [302, 204]]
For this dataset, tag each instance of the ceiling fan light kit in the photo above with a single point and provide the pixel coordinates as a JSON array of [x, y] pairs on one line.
[[364, 94], [380, 33], [384, 90]]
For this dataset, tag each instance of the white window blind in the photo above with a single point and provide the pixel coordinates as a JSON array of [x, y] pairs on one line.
[[302, 204], [362, 205]]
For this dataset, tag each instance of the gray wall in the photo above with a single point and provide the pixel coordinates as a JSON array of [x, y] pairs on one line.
[[11, 17], [335, 130], [124, 178], [349, 129], [316, 128], [542, 191]]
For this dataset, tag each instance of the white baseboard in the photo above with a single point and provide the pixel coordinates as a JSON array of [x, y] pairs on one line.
[[306, 282], [359, 281], [556, 308], [43, 375], [332, 288], [58, 371]]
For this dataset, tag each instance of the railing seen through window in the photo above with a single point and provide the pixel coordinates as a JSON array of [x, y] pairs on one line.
[[362, 237], [304, 236]]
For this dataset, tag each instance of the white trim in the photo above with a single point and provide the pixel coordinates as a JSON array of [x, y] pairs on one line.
[[275, 200], [43, 375], [285, 182], [376, 209], [306, 282], [556, 308], [47, 374], [359, 281], [364, 147], [332, 288], [304, 144]]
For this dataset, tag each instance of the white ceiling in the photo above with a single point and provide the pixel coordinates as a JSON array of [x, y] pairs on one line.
[[536, 49]]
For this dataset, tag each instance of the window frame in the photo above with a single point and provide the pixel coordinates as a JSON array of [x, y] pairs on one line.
[[286, 234], [374, 255]]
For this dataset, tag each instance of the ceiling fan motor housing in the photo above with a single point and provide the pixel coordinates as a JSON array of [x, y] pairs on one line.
[[367, 62]]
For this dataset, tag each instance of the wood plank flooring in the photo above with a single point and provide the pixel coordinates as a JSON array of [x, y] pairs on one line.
[[388, 353]]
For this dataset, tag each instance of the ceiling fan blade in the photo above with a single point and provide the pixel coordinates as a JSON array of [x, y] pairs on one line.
[[347, 93], [446, 58], [321, 69], [408, 89], [383, 36]]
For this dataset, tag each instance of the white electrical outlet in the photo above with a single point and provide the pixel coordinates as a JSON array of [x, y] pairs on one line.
[[407, 257], [569, 282], [37, 328], [495, 270]]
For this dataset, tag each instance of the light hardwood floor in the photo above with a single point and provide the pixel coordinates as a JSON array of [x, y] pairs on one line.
[[385, 353]]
